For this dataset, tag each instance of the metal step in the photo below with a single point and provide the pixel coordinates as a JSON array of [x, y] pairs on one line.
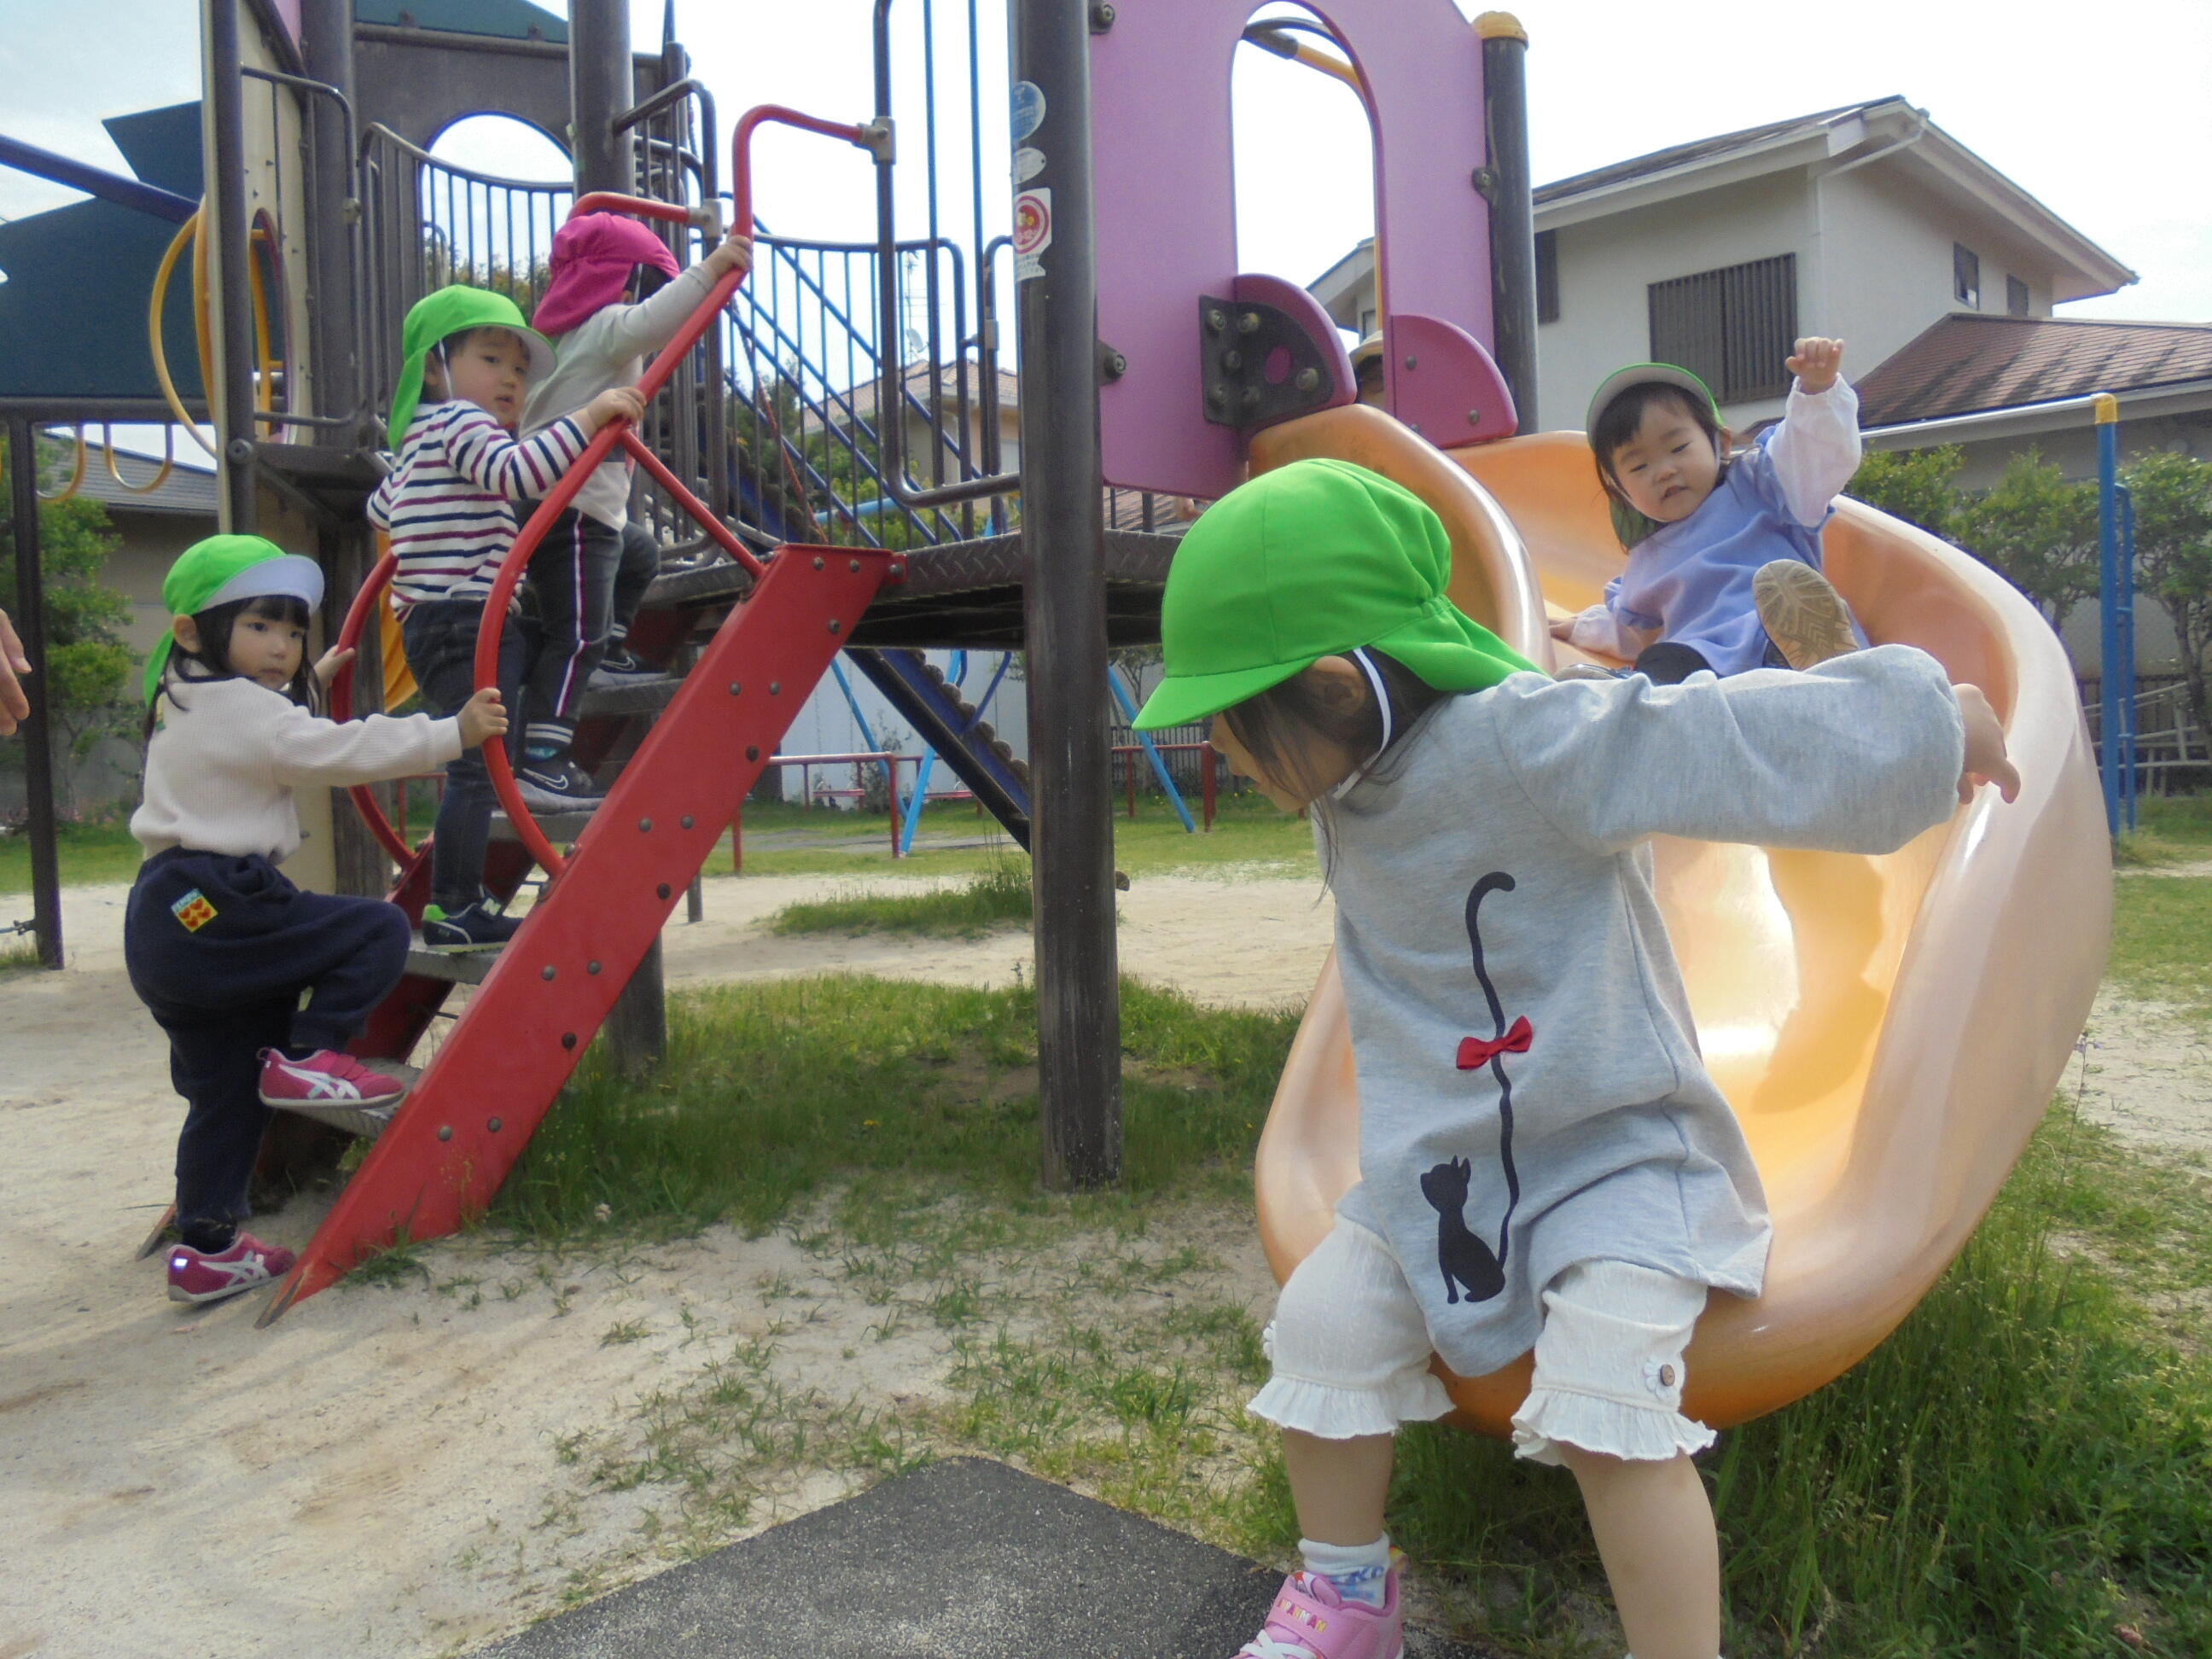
[[639, 697], [561, 829], [367, 1121], [724, 581], [458, 967]]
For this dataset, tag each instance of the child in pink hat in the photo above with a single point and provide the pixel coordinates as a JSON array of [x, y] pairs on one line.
[[616, 293]]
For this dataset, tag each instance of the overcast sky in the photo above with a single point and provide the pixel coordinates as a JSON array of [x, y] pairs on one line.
[[2104, 117]]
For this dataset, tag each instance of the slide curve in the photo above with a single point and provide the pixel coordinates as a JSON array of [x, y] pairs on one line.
[[1889, 1030]]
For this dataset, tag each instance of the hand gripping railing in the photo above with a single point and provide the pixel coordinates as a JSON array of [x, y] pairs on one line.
[[874, 137]]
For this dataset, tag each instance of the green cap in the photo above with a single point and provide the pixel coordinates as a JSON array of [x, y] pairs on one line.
[[1649, 374], [222, 570], [439, 316], [1313, 560]]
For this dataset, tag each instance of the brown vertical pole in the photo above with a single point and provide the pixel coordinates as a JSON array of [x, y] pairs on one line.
[[1064, 614]]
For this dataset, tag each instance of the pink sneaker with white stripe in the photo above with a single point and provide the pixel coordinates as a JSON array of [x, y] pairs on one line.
[[326, 1081], [1310, 1620], [211, 1275]]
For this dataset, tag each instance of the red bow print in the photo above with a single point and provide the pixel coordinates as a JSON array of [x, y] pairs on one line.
[[1477, 1052]]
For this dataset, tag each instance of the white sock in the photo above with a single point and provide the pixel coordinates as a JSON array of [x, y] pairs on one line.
[[1359, 1571]]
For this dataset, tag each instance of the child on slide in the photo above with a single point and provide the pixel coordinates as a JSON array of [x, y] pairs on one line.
[[219, 944], [614, 293], [449, 507], [1545, 1162], [1724, 550]]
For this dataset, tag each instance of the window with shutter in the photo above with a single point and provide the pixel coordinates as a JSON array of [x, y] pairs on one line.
[[1732, 328], [2016, 300], [1547, 275]]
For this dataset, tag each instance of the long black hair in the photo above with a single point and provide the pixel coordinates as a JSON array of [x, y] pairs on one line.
[[212, 661], [1277, 728], [1618, 424]]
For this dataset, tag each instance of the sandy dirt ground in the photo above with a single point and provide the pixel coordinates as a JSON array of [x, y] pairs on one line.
[[383, 1472], [393, 1471]]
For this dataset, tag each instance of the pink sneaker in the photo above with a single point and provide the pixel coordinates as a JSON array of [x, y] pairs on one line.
[[326, 1081], [205, 1276], [1310, 1620]]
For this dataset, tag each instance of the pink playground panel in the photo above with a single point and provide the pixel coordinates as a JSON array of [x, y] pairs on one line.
[[1166, 222]]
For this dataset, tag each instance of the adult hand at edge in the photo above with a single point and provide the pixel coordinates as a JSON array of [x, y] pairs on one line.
[[15, 703]]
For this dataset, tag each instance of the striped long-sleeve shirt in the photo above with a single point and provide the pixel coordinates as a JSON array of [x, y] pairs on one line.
[[448, 505]]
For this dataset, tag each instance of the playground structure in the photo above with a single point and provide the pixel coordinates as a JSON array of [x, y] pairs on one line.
[[1890, 1028]]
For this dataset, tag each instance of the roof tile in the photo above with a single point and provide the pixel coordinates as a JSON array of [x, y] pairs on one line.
[[1965, 364]]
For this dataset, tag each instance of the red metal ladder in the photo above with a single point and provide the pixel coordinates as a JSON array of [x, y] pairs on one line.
[[450, 1145]]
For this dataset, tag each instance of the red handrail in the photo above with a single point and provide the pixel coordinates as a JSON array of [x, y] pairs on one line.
[[603, 441], [357, 622]]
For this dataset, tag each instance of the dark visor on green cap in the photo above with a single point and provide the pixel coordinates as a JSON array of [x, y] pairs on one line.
[[1313, 560]]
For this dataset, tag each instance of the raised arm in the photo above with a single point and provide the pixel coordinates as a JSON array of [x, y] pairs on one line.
[[1816, 449], [1858, 755], [652, 322]]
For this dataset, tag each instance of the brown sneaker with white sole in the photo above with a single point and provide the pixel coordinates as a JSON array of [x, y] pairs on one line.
[[1803, 614]]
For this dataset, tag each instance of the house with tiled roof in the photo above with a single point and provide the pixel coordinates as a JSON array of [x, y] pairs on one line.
[[1995, 386], [1867, 222]]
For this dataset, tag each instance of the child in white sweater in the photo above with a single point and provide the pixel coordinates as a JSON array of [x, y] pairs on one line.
[[220, 946]]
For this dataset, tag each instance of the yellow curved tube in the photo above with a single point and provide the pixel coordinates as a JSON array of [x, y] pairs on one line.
[[264, 357], [1889, 1030], [168, 460], [157, 302], [76, 471]]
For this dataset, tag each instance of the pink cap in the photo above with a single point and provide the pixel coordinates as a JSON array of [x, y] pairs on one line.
[[591, 260]]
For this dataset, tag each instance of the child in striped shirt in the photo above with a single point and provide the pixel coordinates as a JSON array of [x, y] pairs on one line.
[[448, 506]]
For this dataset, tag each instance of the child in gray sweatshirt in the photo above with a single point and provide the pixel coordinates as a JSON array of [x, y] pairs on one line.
[[1544, 1160]]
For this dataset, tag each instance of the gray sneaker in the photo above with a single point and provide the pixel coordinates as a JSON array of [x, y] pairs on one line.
[[1803, 614]]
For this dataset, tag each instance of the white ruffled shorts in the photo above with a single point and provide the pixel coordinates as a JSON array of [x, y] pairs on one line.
[[1351, 1354]]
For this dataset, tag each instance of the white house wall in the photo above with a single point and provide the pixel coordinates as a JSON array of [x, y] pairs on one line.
[[1606, 265], [1886, 250]]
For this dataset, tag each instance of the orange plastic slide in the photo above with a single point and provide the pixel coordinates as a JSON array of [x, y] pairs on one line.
[[1889, 1030]]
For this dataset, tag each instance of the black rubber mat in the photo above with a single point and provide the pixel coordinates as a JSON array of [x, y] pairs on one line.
[[966, 1559]]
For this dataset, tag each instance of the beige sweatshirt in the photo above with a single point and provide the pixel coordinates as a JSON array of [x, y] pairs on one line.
[[221, 770]]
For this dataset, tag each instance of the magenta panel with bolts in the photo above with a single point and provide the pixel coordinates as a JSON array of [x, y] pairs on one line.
[[1443, 384], [1166, 210]]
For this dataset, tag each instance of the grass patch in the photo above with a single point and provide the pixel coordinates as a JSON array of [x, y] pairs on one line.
[[2160, 927], [997, 899], [18, 955], [2024, 1468], [1248, 833], [87, 852], [899, 1092], [2170, 829], [2185, 820]]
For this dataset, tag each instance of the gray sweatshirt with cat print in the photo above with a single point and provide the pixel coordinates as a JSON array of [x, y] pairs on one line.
[[1531, 1093]]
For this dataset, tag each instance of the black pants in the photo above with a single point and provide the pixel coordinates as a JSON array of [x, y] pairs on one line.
[[1669, 662], [440, 637], [231, 986], [586, 580]]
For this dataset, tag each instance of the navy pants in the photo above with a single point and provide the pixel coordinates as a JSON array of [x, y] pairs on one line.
[[1669, 662], [441, 638], [221, 949], [586, 582]]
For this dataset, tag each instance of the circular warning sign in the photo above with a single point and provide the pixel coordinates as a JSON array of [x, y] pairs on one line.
[[1032, 221]]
